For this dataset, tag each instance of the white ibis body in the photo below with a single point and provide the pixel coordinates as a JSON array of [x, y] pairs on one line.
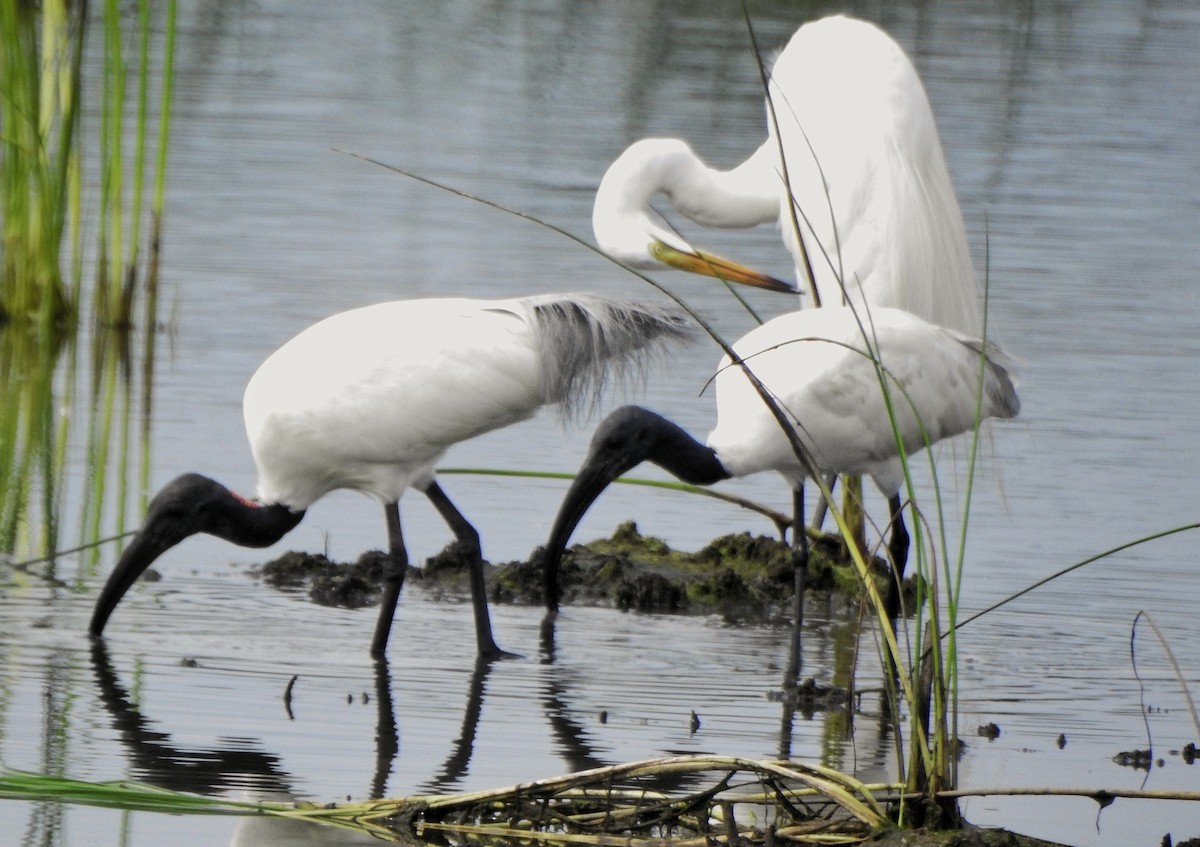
[[862, 169], [818, 366], [371, 399]]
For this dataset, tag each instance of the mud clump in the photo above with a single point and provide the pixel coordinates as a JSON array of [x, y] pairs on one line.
[[347, 586], [967, 836], [741, 577]]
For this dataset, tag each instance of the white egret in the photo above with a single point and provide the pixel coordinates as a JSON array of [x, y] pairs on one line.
[[820, 367], [371, 399], [865, 174], [852, 171]]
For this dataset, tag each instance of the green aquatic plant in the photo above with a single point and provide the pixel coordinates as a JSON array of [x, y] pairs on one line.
[[64, 399], [45, 144], [45, 147], [121, 273], [781, 521], [40, 110]]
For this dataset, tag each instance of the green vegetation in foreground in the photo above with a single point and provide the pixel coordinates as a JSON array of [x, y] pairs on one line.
[[731, 799]]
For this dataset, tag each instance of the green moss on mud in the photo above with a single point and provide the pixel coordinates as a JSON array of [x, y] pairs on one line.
[[738, 576], [742, 576]]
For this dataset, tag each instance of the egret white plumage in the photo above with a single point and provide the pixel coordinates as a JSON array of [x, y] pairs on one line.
[[371, 399], [627, 229], [819, 366], [865, 174]]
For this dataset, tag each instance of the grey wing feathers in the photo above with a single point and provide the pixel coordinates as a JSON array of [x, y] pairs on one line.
[[1000, 387], [588, 341]]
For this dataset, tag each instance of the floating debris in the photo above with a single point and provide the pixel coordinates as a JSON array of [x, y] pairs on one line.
[[1137, 759], [990, 731], [692, 799]]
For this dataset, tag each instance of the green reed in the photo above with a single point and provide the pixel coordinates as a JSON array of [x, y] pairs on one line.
[[120, 272], [64, 400], [45, 149], [40, 81], [47, 146]]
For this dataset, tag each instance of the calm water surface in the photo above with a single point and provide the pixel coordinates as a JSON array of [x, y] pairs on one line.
[[1072, 131]]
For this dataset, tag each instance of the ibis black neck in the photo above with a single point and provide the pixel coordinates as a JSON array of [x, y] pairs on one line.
[[187, 505], [625, 439]]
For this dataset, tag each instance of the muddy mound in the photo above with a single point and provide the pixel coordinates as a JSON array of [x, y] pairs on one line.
[[741, 577]]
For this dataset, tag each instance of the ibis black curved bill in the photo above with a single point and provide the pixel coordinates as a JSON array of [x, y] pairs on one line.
[[623, 440], [147, 545], [187, 505]]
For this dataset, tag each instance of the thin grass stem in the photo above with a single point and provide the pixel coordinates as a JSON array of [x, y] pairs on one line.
[[782, 522], [1154, 536]]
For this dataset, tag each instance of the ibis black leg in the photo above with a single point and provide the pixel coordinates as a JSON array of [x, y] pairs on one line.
[[898, 553], [393, 579], [799, 579], [469, 538], [387, 739]]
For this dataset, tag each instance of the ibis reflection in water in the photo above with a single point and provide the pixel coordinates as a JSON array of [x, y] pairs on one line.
[[371, 399]]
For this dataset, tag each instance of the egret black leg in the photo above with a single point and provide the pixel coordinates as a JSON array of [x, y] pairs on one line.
[[467, 536], [898, 553], [393, 579], [822, 506], [799, 580]]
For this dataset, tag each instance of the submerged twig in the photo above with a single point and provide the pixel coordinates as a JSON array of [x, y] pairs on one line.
[[636, 804], [1174, 666], [622, 803]]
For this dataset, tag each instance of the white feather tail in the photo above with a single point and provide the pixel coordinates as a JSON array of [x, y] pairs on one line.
[[588, 342]]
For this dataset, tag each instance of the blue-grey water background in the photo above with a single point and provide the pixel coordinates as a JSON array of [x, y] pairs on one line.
[[1073, 133]]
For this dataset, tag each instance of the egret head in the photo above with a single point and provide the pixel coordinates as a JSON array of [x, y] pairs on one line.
[[628, 229]]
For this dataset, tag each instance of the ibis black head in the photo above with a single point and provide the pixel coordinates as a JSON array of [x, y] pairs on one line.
[[623, 440], [187, 505]]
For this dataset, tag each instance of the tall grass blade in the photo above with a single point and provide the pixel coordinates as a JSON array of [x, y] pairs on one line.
[[1111, 551], [39, 116], [782, 522], [132, 796]]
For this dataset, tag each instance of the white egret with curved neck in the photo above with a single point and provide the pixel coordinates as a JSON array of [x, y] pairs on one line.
[[371, 399], [865, 175]]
